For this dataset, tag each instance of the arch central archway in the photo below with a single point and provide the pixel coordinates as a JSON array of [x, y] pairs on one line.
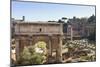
[[52, 45], [47, 41]]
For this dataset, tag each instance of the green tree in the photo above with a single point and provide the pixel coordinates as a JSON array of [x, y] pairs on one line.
[[37, 58], [25, 56], [62, 20], [92, 19], [41, 45], [29, 56]]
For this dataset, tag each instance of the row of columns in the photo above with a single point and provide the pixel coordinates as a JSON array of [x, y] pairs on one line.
[[58, 50]]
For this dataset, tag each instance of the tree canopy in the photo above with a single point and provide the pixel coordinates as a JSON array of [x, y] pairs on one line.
[[92, 19], [29, 56]]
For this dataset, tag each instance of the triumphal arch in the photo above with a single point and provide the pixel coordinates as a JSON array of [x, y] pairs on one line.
[[28, 33]]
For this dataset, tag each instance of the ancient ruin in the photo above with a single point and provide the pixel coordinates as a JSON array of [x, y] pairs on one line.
[[27, 33]]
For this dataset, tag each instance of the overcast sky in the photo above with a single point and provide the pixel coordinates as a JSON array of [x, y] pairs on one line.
[[46, 11]]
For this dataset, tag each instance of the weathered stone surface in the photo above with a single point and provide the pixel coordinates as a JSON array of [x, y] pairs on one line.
[[30, 33]]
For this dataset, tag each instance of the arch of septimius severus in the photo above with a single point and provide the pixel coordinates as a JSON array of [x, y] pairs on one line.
[[29, 33]]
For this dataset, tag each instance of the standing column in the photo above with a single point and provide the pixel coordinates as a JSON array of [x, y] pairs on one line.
[[59, 46], [17, 48], [59, 51], [49, 50], [71, 33]]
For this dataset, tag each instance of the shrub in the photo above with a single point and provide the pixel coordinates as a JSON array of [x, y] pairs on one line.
[[29, 56]]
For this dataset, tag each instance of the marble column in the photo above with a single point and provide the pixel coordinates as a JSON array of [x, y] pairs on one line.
[[17, 48], [49, 50], [71, 33], [59, 51]]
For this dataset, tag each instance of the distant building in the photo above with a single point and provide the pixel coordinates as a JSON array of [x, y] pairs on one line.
[[80, 29]]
